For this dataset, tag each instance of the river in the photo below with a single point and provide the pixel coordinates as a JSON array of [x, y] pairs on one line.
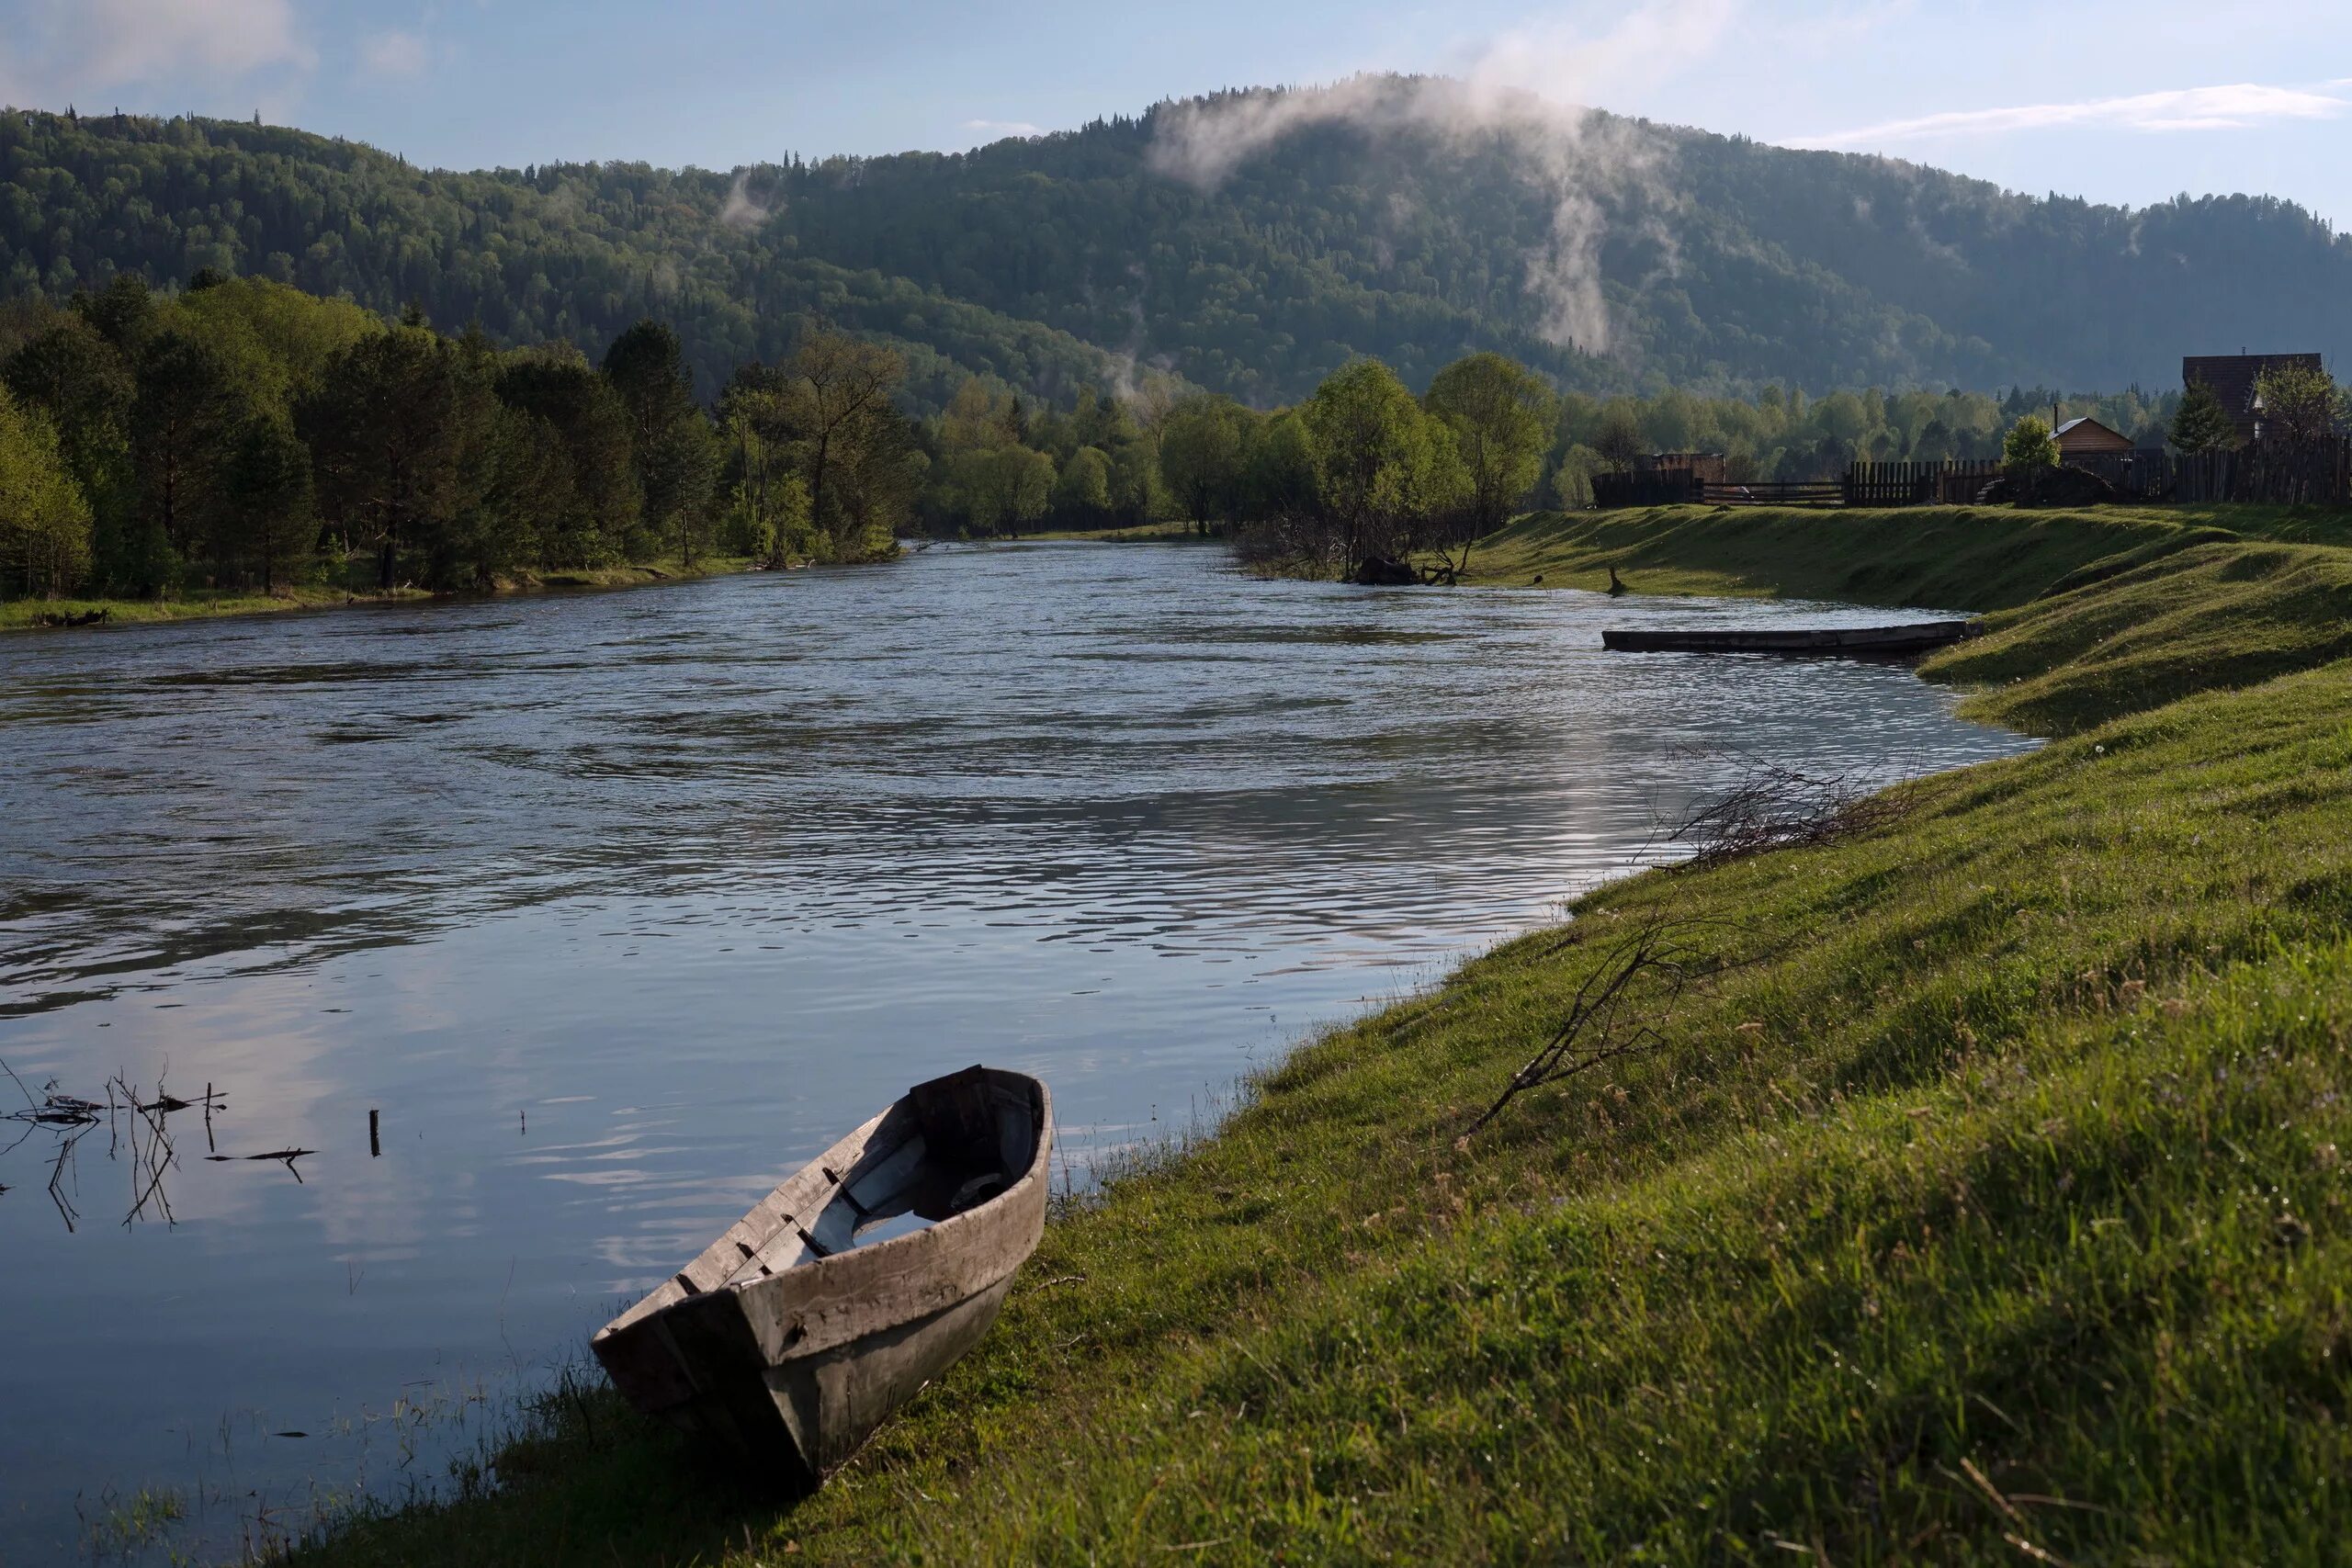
[[610, 909]]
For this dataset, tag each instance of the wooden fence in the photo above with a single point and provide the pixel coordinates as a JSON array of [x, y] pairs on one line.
[[1775, 492], [1918, 484], [2318, 475], [1658, 486]]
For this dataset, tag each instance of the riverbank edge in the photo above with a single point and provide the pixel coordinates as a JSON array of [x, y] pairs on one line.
[[1339, 1325], [24, 615]]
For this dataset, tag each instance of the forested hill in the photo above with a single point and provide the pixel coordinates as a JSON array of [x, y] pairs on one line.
[[1375, 227]]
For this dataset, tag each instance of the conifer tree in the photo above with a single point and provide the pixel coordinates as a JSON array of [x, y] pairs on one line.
[[2202, 424]]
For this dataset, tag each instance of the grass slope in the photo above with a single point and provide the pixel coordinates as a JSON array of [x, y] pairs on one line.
[[1941, 557], [1988, 1205]]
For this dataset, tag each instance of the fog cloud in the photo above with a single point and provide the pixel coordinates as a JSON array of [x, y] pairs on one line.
[[739, 211], [1526, 85]]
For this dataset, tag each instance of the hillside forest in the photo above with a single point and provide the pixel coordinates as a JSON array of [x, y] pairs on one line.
[[238, 433], [1389, 220]]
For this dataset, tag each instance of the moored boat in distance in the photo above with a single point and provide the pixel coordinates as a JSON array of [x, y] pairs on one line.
[[1917, 636], [798, 1332]]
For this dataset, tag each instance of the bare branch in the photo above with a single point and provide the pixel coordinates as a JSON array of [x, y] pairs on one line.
[[1602, 1023]]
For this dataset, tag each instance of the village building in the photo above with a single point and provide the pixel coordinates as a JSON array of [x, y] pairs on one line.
[[2089, 438], [2237, 379]]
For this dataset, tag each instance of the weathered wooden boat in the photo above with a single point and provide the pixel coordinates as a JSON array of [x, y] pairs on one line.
[[797, 1333], [1919, 637]]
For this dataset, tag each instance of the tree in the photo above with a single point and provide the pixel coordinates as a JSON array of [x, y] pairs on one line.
[[265, 517], [183, 404], [2299, 405], [2202, 424], [524, 494], [1381, 464], [676, 458], [1501, 415], [2029, 446], [1082, 493], [1619, 440], [603, 503], [841, 383], [1572, 480], [386, 432], [88, 389], [44, 522], [123, 313], [1003, 487], [753, 424], [681, 477], [1278, 469], [1200, 456], [878, 471]]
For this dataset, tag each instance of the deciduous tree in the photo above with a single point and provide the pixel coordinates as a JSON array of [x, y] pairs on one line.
[[1501, 415], [44, 522], [842, 383], [2299, 405], [1200, 456]]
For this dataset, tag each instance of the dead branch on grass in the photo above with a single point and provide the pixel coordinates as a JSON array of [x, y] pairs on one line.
[[1770, 806], [1620, 1010]]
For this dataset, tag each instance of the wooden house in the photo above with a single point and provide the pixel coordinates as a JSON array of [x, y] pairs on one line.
[[2237, 379], [1704, 468], [2089, 438]]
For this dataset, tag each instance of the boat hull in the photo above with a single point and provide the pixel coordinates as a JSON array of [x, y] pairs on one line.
[[1846, 641], [792, 1369]]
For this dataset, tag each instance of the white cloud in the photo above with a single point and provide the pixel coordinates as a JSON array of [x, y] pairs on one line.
[[2236, 107], [91, 44], [1567, 63], [394, 53], [1004, 128]]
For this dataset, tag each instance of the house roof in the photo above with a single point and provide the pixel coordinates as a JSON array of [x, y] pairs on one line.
[[2089, 429], [2233, 377]]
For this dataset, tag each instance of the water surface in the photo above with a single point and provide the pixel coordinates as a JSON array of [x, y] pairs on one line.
[[619, 906]]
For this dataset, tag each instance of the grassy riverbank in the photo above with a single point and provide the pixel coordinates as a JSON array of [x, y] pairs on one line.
[[205, 604], [1984, 1198]]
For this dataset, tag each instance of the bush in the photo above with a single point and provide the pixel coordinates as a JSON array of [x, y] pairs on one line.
[[2029, 446]]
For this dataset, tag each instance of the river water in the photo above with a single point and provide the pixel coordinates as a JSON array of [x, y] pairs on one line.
[[613, 908]]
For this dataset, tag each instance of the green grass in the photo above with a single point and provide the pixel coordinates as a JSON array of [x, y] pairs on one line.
[[1987, 1205], [188, 604], [203, 604], [1935, 556], [669, 569]]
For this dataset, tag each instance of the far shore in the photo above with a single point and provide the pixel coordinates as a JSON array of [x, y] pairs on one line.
[[209, 603]]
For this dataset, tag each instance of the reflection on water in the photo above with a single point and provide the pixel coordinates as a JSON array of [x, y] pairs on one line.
[[530, 944]]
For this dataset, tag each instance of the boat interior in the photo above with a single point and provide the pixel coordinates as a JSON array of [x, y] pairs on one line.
[[950, 1145]]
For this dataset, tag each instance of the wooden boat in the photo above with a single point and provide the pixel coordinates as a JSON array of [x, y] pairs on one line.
[[1915, 638], [795, 1334]]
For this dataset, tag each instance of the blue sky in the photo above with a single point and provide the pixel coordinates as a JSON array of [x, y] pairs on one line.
[[2127, 101]]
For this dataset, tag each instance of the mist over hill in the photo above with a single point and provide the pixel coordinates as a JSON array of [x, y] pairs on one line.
[[1248, 243]]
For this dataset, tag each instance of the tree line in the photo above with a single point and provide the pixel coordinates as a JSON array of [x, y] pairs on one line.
[[241, 434], [1364, 471]]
